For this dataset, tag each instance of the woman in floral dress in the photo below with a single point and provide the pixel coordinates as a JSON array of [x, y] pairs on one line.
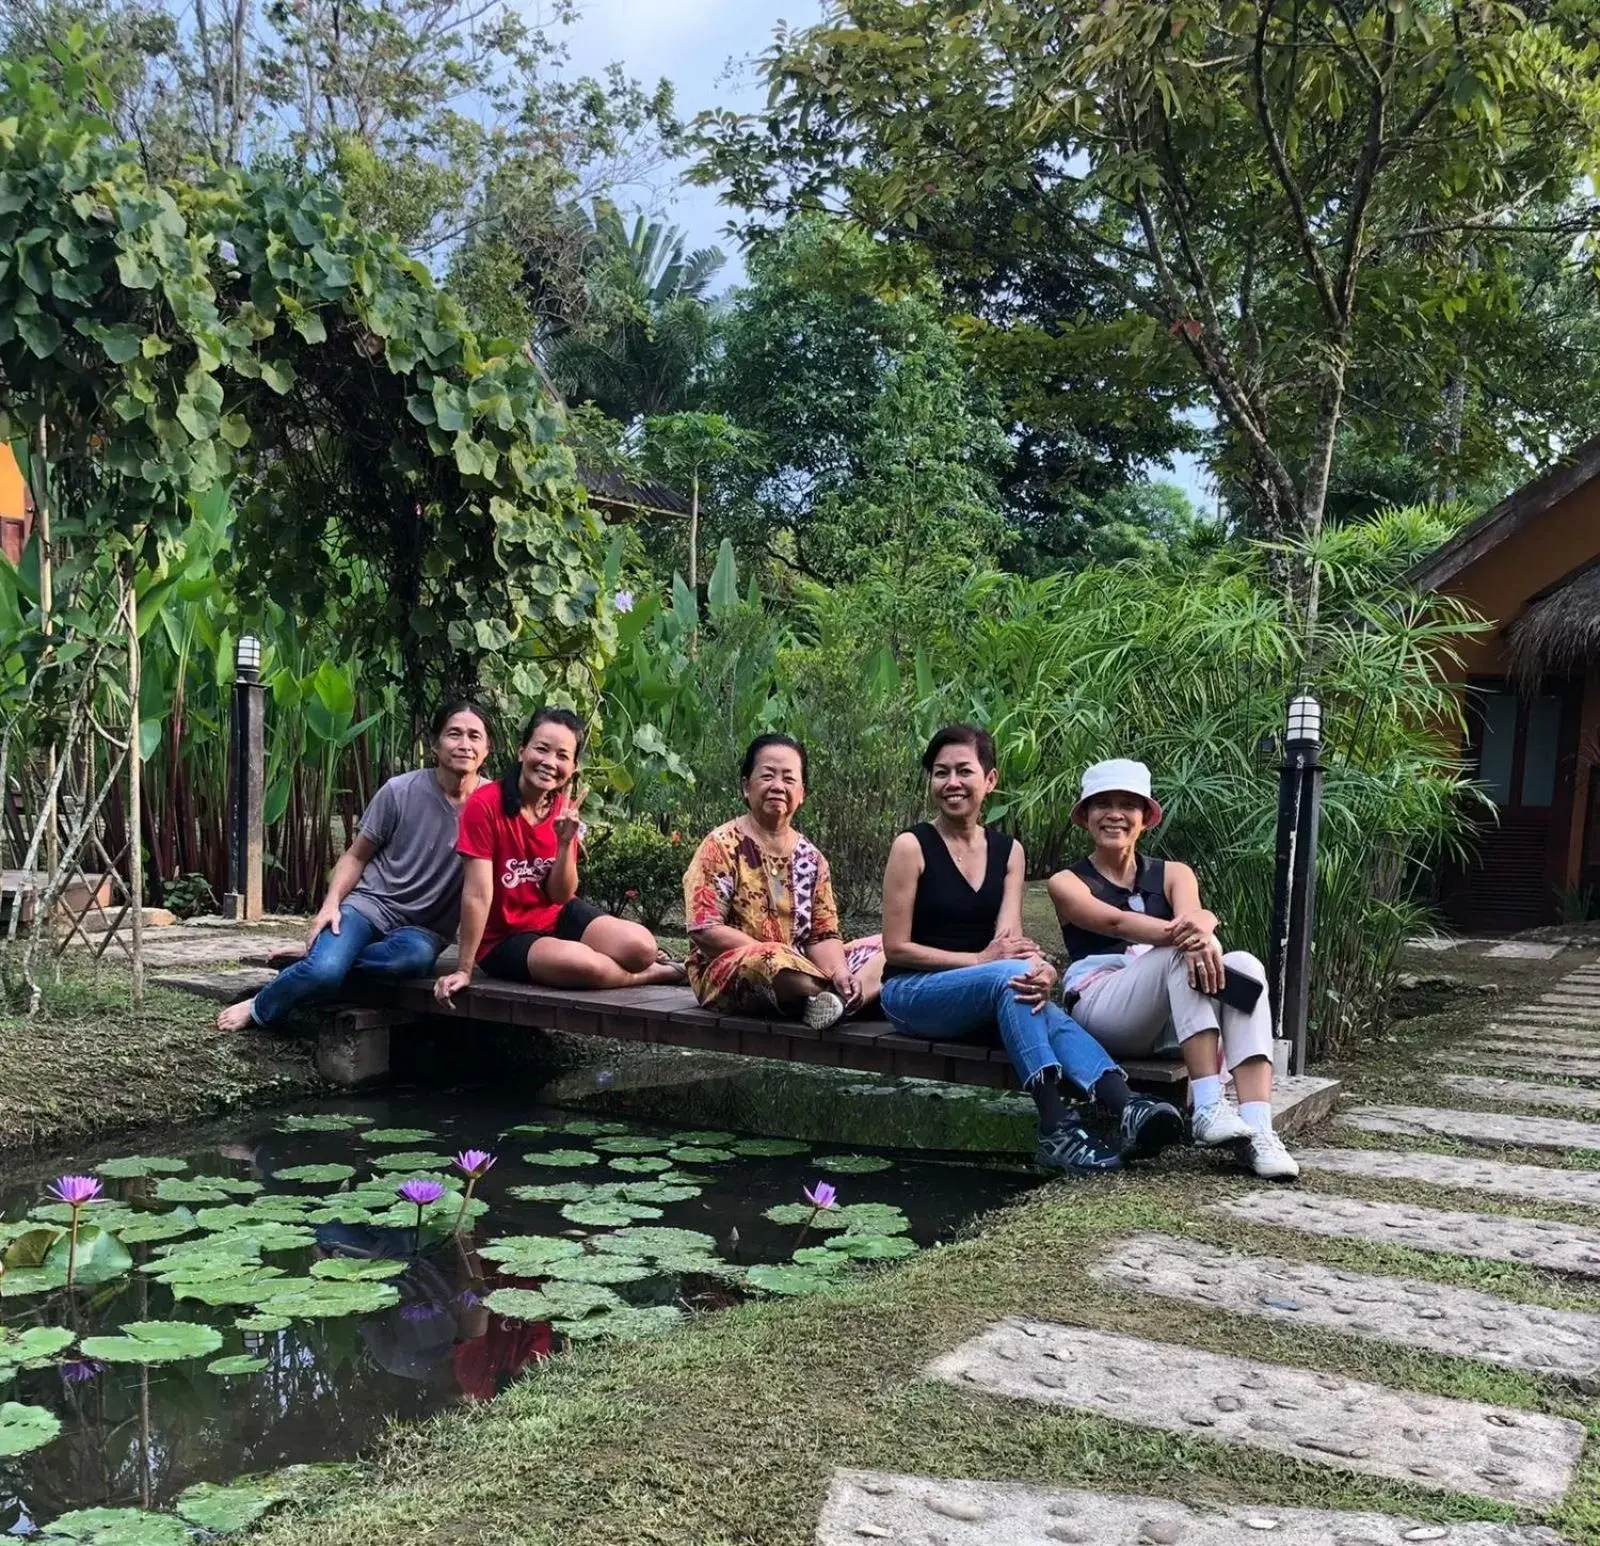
[[759, 903]]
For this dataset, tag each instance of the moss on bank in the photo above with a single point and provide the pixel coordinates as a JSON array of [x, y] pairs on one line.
[[90, 1063]]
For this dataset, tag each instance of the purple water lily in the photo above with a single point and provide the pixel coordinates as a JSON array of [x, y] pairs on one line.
[[81, 1370], [420, 1191], [474, 1164], [74, 1191], [623, 601], [824, 1197]]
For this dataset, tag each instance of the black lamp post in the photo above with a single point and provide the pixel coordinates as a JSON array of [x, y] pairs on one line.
[[1294, 892], [247, 761]]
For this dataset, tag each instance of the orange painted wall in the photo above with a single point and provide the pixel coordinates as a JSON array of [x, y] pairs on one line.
[[1500, 583], [13, 506]]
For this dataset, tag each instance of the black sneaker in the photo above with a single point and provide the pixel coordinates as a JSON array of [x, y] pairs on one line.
[[1148, 1126], [1073, 1151]]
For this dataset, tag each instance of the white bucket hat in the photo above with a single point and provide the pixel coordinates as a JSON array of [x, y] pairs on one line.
[[1124, 776]]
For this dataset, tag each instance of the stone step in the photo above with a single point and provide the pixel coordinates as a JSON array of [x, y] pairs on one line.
[[222, 987], [1494, 1046], [1490, 1236], [1523, 950], [1434, 1317], [1528, 1062], [1459, 1173], [1521, 1092], [1321, 1419], [867, 1506], [1492, 1129], [1515, 1030]]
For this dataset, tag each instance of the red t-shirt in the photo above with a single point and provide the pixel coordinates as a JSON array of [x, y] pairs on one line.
[[522, 856]]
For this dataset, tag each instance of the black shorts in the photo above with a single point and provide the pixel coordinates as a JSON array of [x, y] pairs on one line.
[[509, 959]]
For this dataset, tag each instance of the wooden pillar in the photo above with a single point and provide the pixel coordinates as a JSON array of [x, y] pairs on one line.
[[1582, 777]]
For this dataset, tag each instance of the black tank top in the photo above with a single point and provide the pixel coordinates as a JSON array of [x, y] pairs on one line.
[[948, 913], [1149, 885]]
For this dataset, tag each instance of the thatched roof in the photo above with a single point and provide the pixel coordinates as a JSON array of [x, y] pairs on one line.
[[1559, 633], [622, 496]]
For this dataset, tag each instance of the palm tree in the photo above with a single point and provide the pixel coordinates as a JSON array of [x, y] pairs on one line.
[[650, 327]]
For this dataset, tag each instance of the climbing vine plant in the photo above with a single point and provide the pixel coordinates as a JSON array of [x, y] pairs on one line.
[[389, 469]]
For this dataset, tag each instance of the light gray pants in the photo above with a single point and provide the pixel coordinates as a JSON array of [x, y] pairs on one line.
[[1129, 1011]]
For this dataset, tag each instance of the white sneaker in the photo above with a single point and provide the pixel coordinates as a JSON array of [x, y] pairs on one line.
[[826, 1009], [1269, 1159], [1219, 1123]]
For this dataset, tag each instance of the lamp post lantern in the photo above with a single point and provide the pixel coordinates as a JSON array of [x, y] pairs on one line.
[[1294, 892], [247, 766]]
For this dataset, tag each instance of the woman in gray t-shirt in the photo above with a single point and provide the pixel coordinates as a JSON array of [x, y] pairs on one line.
[[395, 893]]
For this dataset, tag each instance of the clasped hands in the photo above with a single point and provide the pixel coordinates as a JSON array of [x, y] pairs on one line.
[[1034, 986]]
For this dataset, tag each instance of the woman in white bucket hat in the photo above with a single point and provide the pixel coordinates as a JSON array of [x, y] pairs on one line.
[[1143, 961]]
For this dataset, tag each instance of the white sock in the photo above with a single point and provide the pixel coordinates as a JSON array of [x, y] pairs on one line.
[[1205, 1092], [1256, 1114]]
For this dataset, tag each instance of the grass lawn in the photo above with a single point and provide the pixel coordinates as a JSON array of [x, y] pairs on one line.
[[89, 1063], [728, 1430]]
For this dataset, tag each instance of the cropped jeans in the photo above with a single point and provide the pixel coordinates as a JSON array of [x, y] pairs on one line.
[[969, 999], [359, 945]]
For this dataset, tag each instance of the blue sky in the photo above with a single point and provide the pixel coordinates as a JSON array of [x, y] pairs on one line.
[[703, 47]]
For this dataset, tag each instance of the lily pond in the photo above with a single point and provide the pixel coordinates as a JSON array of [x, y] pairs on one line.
[[254, 1303]]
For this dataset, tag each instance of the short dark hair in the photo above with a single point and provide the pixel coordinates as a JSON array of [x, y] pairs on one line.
[[760, 744], [974, 736], [448, 711], [511, 782]]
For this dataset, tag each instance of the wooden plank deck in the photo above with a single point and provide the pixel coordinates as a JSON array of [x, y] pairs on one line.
[[671, 1017]]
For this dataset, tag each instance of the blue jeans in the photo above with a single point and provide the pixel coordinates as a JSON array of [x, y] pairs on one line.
[[358, 945], [948, 1005]]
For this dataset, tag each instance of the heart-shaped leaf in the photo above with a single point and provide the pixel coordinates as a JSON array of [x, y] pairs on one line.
[[852, 1164], [236, 1363], [154, 1342], [226, 1509]]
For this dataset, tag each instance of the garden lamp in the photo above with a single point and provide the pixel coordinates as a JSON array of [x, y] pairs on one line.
[[1294, 898], [247, 658]]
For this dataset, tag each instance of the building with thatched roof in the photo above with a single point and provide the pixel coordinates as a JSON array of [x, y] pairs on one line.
[[1532, 567]]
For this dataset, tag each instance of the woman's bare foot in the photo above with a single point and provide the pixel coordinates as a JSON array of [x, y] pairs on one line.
[[667, 974], [236, 1017]]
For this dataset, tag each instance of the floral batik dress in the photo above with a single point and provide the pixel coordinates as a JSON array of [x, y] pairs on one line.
[[784, 902]]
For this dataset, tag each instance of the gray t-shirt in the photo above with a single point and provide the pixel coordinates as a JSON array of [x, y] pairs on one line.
[[414, 879]]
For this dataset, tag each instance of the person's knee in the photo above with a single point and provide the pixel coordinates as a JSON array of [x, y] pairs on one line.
[[324, 970], [634, 950], [1249, 965]]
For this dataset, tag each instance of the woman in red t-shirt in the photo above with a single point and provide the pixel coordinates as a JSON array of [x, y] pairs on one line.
[[521, 916]]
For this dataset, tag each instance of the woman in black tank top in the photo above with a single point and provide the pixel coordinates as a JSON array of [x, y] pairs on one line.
[[960, 965], [1144, 965]]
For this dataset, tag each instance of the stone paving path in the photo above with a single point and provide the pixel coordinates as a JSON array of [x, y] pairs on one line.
[[1491, 1128], [1492, 1236], [1439, 1317], [1455, 1446], [1429, 1441], [867, 1506]]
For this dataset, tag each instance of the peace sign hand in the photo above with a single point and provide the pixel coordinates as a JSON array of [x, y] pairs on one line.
[[569, 816]]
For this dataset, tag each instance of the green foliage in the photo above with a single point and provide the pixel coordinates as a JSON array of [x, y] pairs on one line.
[[154, 1342], [117, 1527], [634, 869], [25, 1427], [226, 1510]]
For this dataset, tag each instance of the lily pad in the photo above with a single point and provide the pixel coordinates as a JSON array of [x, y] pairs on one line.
[[25, 1427], [563, 1159], [237, 1363], [639, 1164], [265, 1323], [553, 1302], [859, 1247], [626, 1325], [710, 1137], [154, 1342], [397, 1135], [768, 1148], [30, 1246], [350, 1269], [697, 1264], [873, 1218], [801, 1212], [101, 1257], [652, 1242], [659, 1191], [790, 1280], [319, 1299], [105, 1215], [529, 1256], [322, 1122], [353, 1211], [632, 1144], [117, 1527], [32, 1348], [319, 1175], [852, 1164], [134, 1165], [599, 1268], [269, 1237], [590, 1129], [526, 1130], [250, 1287], [820, 1257], [151, 1227], [226, 1509], [558, 1191], [605, 1215], [411, 1159], [278, 1208], [697, 1155]]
